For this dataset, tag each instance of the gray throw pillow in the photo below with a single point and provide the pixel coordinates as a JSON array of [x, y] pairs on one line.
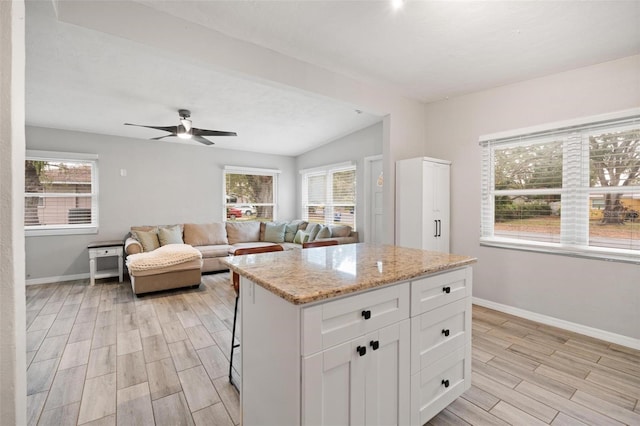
[[274, 232], [290, 231], [312, 230], [325, 232], [170, 235]]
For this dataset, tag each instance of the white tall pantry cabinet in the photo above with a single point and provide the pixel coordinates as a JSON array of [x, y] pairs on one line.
[[422, 203]]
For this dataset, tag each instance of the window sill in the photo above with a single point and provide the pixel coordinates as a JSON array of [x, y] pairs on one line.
[[611, 255], [48, 231]]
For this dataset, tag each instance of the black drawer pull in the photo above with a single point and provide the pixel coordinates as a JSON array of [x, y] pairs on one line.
[[361, 350], [446, 289], [374, 344], [445, 332], [366, 314], [445, 383]]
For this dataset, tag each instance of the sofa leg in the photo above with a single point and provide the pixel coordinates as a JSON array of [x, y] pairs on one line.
[[233, 345]]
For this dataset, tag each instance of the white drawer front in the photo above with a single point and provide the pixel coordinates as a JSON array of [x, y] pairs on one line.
[[332, 323], [433, 388], [437, 333], [101, 252], [431, 292]]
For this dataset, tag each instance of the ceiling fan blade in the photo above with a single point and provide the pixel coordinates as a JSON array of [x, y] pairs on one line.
[[200, 139], [172, 129], [205, 132], [162, 137]]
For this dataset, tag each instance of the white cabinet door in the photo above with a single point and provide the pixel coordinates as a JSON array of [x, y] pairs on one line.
[[333, 391], [387, 377], [422, 203]]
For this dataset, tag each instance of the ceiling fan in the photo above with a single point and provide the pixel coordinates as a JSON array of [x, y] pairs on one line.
[[185, 131]]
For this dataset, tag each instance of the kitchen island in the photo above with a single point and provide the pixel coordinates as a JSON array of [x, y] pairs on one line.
[[352, 334]]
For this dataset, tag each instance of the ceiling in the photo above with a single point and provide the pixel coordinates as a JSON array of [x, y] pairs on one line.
[[82, 79]]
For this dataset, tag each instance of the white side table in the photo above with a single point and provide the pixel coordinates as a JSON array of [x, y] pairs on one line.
[[105, 249]]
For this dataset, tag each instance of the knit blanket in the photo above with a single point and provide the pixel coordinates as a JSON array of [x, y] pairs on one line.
[[162, 257]]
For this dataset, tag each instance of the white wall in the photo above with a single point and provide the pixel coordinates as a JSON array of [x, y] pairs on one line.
[[13, 389], [594, 293], [166, 183], [354, 147], [403, 126]]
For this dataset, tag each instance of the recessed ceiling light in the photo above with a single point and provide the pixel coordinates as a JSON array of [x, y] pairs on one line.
[[397, 4]]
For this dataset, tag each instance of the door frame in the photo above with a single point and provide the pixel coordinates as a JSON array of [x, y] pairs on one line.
[[368, 226]]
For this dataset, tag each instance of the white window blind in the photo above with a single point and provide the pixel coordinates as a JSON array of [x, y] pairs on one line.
[[572, 190], [250, 194], [61, 193], [329, 194]]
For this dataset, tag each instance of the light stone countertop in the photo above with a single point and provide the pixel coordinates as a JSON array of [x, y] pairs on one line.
[[309, 275]]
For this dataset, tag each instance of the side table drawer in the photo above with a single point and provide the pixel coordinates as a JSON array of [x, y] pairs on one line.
[[439, 332], [103, 252], [438, 290], [331, 323]]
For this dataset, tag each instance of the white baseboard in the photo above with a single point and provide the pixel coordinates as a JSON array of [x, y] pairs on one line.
[[607, 336], [47, 280]]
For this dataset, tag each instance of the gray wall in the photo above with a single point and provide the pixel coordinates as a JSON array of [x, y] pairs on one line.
[[595, 293], [165, 183], [353, 147]]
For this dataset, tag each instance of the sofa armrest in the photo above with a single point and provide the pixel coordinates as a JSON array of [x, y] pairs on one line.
[[132, 246], [354, 235]]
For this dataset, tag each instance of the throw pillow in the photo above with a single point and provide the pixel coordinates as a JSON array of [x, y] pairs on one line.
[[148, 239], [290, 230], [301, 237], [340, 231], [312, 230], [243, 232], [325, 232], [205, 234], [274, 232], [170, 235]]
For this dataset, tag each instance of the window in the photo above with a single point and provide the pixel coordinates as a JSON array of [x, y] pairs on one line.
[[573, 189], [329, 194], [61, 193], [250, 194]]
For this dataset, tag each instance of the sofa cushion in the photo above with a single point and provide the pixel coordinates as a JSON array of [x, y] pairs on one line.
[[219, 250], [340, 230], [170, 235], [301, 237], [293, 227], [205, 234], [313, 229], [274, 232], [243, 232], [325, 232], [148, 239]]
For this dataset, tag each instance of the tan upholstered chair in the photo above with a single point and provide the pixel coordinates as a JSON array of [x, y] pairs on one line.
[[235, 280], [321, 243]]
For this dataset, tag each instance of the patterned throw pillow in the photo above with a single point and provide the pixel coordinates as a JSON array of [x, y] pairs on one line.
[[301, 237]]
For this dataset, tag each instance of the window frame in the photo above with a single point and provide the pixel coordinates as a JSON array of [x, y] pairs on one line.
[[329, 206], [575, 189], [250, 171], [66, 229]]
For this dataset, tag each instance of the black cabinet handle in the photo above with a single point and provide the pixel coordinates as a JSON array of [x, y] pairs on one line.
[[374, 344], [445, 332], [436, 222], [361, 350], [446, 289], [439, 228], [366, 314], [445, 383]]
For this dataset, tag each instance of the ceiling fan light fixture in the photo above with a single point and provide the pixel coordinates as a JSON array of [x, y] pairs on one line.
[[184, 129]]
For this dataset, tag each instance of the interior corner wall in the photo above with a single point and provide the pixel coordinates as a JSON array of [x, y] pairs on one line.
[[165, 183], [352, 147], [13, 377], [593, 293]]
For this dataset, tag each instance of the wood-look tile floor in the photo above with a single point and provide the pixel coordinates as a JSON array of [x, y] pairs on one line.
[[101, 356]]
